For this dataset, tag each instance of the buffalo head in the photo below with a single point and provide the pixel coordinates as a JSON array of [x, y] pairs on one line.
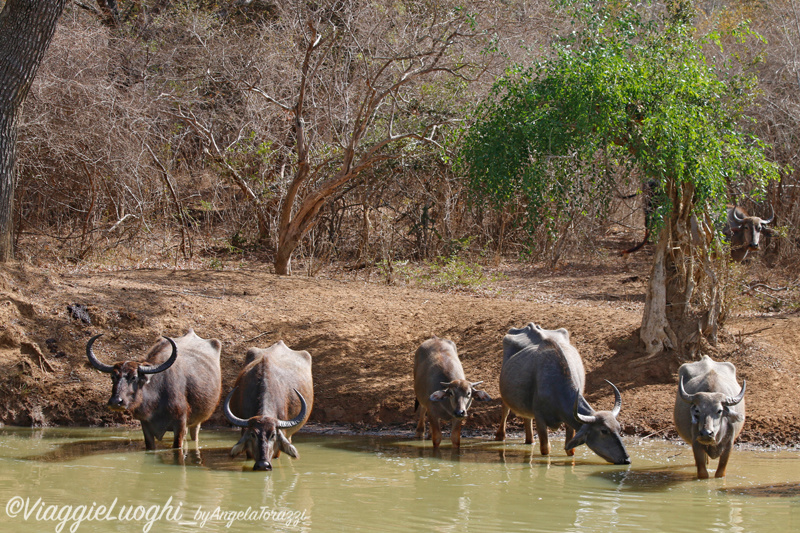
[[263, 437], [128, 378], [709, 410], [746, 231], [601, 431], [460, 393]]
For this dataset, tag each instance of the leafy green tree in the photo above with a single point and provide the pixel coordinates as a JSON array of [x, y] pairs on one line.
[[632, 91]]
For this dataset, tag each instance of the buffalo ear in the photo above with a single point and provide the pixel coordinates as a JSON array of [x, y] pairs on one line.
[[735, 417], [285, 446], [439, 395], [482, 396], [767, 231], [579, 438], [239, 446]]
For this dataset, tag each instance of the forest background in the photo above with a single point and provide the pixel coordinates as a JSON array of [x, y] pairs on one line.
[[199, 133]]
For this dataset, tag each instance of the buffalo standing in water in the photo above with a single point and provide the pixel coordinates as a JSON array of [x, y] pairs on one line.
[[177, 387], [709, 411], [542, 379], [272, 399], [442, 390]]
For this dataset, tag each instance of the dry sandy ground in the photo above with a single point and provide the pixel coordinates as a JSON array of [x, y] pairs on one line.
[[362, 336]]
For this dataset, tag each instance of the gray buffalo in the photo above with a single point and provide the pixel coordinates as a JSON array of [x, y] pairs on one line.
[[709, 411], [442, 390], [542, 379], [177, 387], [271, 400], [744, 232]]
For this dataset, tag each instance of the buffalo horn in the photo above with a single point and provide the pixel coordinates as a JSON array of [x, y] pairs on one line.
[[286, 424], [145, 369], [232, 418], [686, 397], [617, 400], [473, 385], [582, 418], [93, 360], [736, 399], [735, 214]]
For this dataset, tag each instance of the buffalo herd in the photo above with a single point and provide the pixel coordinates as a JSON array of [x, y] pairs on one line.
[[179, 384]]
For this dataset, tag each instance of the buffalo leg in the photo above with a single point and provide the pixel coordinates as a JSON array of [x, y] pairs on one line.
[[421, 424], [194, 432], [149, 436], [570, 434], [501, 429], [723, 463], [528, 422], [700, 460], [541, 430], [180, 434], [455, 433], [436, 431]]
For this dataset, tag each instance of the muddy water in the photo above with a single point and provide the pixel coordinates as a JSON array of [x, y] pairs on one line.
[[343, 483]]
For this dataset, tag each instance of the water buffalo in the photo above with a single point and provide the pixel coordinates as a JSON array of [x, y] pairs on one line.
[[178, 387], [442, 390], [709, 411], [542, 379], [272, 397], [744, 232]]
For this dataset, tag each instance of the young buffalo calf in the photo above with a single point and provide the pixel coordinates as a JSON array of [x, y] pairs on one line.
[[442, 390]]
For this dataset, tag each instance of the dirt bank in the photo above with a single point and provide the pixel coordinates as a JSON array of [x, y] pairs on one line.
[[362, 336]]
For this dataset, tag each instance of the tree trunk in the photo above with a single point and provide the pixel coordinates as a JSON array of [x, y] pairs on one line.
[[684, 303], [8, 140], [26, 29], [656, 332], [283, 259]]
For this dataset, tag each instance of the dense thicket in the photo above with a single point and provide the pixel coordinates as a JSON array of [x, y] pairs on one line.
[[159, 130]]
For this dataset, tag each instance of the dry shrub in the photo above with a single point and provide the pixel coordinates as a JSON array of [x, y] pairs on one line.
[[112, 165], [110, 175]]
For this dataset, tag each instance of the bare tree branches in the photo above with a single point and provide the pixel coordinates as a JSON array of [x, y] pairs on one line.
[[374, 93]]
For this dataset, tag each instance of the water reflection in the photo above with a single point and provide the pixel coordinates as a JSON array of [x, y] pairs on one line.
[[395, 484], [780, 490], [648, 480], [211, 458], [85, 448], [472, 451]]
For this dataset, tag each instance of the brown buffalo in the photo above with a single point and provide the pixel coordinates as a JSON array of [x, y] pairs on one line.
[[271, 400], [442, 390], [744, 232], [177, 387]]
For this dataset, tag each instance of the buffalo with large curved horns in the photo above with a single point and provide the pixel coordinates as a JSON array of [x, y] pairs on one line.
[[176, 388], [744, 231], [709, 411], [271, 400]]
